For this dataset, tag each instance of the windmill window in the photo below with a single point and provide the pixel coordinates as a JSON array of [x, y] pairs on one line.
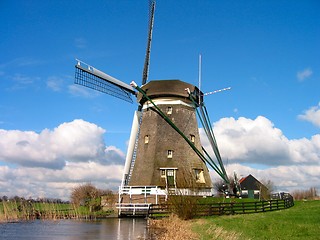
[[170, 173], [170, 153], [192, 138], [146, 139], [169, 110], [199, 175]]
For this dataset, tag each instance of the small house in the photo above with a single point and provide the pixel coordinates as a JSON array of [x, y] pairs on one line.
[[251, 187]]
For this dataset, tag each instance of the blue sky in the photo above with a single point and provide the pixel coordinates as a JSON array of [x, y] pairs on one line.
[[267, 51]]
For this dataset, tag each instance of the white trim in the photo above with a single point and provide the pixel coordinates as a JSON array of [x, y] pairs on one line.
[[165, 101], [168, 168]]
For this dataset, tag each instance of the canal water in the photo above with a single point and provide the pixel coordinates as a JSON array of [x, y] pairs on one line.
[[111, 228]]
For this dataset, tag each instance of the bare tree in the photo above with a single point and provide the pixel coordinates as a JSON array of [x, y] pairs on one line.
[[221, 187], [266, 188], [305, 194], [87, 195]]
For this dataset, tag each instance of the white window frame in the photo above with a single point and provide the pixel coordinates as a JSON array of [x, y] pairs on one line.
[[199, 174], [146, 139]]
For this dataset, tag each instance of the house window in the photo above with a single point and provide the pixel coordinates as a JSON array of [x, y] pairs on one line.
[[199, 175], [146, 139], [192, 138], [170, 153], [163, 173], [169, 110]]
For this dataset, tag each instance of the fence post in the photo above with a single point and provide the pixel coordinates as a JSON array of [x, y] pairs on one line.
[[210, 210], [145, 194], [221, 209], [270, 205]]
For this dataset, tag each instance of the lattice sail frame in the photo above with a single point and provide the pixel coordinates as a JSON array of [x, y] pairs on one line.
[[97, 80]]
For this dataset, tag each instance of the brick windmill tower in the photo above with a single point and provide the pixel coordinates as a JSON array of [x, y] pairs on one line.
[[164, 154], [164, 158]]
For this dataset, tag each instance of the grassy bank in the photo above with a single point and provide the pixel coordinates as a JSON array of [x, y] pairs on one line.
[[25, 210], [298, 222]]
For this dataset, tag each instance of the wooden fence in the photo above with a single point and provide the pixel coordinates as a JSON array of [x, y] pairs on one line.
[[162, 210]]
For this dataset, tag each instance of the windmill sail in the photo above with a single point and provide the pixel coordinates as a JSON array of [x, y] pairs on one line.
[[93, 78], [148, 50], [135, 130]]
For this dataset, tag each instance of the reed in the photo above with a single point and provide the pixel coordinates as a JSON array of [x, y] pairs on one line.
[[173, 228], [24, 210]]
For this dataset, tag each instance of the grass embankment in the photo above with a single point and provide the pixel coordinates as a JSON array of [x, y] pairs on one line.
[[16, 211], [298, 222]]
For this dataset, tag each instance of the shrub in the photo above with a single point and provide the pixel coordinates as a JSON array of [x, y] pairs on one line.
[[89, 196], [185, 207]]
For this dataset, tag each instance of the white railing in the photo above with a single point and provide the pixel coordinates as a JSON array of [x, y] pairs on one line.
[[204, 192], [141, 190], [156, 191], [136, 190], [133, 208]]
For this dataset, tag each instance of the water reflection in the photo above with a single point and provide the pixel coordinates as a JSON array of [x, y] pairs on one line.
[[111, 228]]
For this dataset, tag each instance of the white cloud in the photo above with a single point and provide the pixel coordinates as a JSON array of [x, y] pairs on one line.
[[52, 162], [24, 80], [256, 146], [42, 182], [114, 153], [80, 43], [304, 74], [21, 62], [77, 90], [258, 141], [54, 83], [312, 115], [21, 81], [76, 141]]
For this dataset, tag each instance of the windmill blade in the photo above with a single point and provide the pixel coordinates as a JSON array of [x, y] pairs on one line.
[[216, 91], [93, 78], [148, 50]]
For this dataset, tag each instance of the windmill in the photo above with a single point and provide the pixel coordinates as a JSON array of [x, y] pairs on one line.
[[164, 153]]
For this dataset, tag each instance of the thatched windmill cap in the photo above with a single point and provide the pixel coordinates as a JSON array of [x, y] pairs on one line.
[[173, 89]]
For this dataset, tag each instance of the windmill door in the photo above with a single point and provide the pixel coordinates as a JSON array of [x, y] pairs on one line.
[[170, 178]]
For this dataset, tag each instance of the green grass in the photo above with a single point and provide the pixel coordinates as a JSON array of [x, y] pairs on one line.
[[301, 221]]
